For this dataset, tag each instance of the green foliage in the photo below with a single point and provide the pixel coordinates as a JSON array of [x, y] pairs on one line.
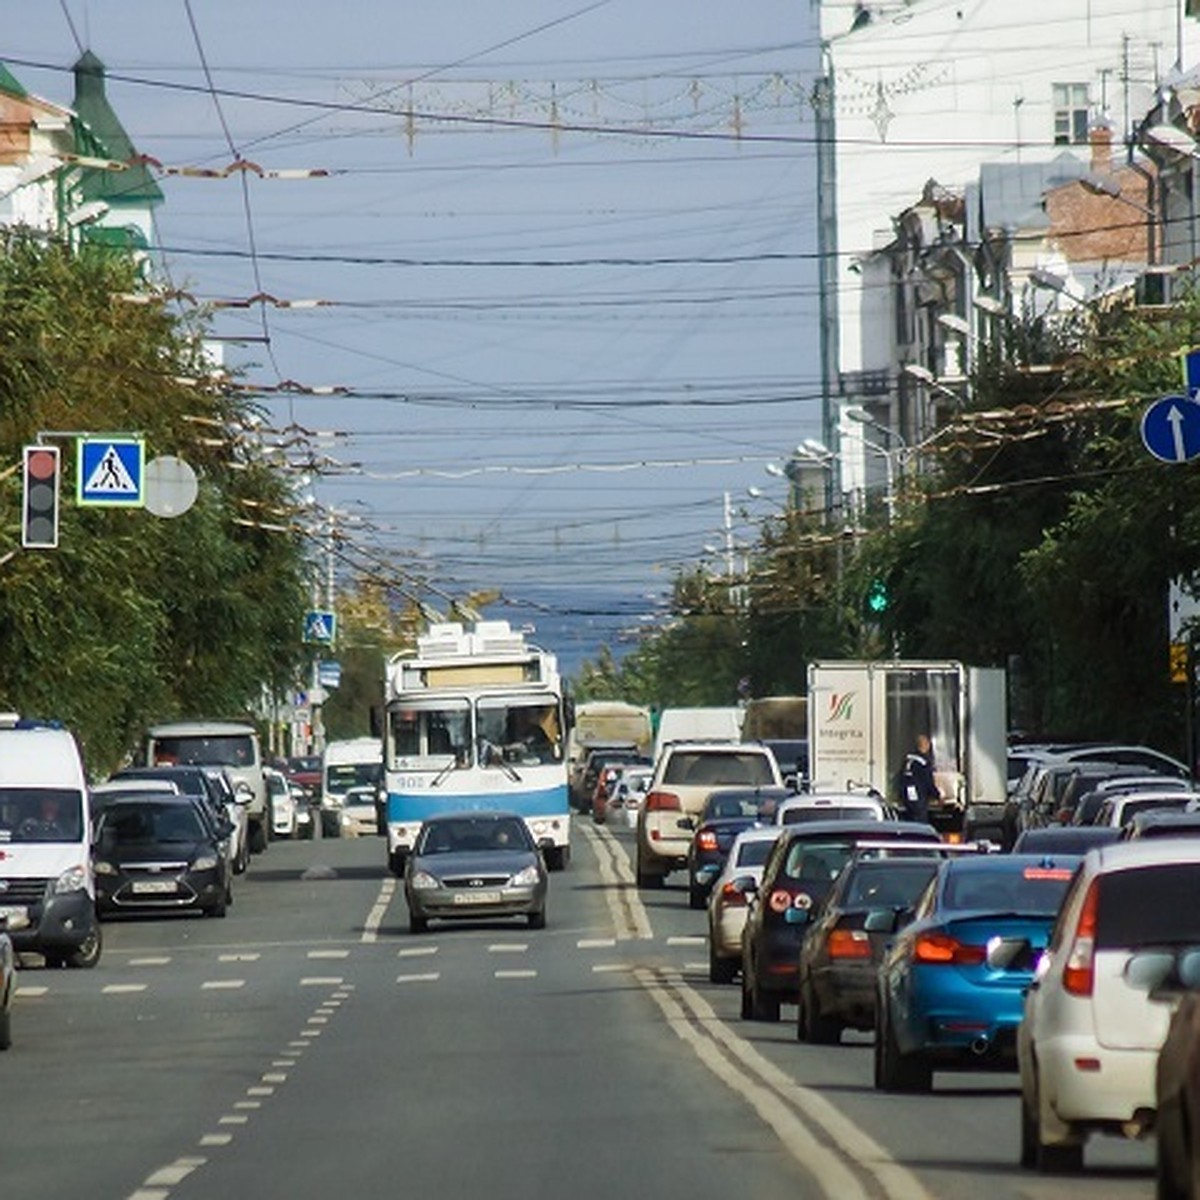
[[133, 618]]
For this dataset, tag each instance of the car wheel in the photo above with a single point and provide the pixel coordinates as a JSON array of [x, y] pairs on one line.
[[216, 910], [720, 970], [87, 954], [537, 920], [696, 898], [417, 924], [1052, 1158], [896, 1072]]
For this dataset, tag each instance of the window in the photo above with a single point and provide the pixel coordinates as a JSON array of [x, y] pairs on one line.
[[1071, 110]]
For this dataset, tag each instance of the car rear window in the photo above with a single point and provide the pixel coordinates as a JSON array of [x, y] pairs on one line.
[[753, 854], [816, 862], [1131, 808], [831, 812], [1148, 906], [896, 884], [713, 768], [1030, 889]]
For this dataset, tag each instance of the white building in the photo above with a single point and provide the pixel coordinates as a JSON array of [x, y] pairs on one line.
[[929, 90]]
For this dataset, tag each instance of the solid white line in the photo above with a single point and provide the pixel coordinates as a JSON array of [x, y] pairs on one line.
[[429, 977], [222, 985]]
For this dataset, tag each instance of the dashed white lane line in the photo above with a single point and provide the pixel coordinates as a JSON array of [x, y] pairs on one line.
[[283, 1062], [158, 960], [275, 1077], [244, 956], [687, 941], [425, 977], [417, 951], [515, 974], [120, 989], [595, 943], [508, 947], [603, 968], [216, 1139], [329, 954], [260, 1090], [250, 1104], [695, 966], [29, 992], [317, 1021], [234, 1119], [177, 1172], [222, 985], [320, 981], [375, 917], [149, 1194], [310, 1033]]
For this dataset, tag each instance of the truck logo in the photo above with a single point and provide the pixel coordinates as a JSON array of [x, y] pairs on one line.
[[841, 708]]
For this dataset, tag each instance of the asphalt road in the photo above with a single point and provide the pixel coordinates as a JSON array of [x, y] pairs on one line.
[[308, 1046]]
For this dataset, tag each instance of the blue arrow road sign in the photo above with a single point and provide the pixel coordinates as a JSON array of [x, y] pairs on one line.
[[1171, 429], [110, 472], [320, 627]]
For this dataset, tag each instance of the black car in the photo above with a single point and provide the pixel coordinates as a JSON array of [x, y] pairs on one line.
[[799, 874], [726, 812], [158, 852], [842, 950]]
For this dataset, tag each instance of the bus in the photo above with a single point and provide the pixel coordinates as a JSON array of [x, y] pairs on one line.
[[475, 719]]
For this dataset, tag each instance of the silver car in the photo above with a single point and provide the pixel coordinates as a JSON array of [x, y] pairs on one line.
[[473, 865]]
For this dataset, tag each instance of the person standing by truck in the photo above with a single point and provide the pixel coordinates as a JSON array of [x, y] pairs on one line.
[[918, 788]]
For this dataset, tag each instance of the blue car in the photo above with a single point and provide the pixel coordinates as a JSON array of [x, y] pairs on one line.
[[951, 987]]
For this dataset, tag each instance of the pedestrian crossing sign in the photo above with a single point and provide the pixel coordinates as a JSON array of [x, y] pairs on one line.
[[109, 472], [320, 627]]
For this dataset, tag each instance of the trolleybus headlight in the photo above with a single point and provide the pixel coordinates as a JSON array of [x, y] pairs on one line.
[[423, 879], [526, 878]]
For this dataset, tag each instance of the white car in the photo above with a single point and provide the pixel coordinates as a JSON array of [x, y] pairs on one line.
[[729, 900], [831, 806], [1120, 809], [1088, 1045], [281, 803]]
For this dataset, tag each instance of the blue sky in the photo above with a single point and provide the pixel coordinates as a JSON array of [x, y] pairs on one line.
[[572, 307]]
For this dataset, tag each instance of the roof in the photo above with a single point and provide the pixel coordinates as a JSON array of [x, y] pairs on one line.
[[1009, 195], [134, 187]]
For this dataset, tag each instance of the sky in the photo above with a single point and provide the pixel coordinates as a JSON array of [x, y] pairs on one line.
[[565, 253]]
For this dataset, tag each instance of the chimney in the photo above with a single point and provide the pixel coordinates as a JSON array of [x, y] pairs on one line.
[[1100, 136]]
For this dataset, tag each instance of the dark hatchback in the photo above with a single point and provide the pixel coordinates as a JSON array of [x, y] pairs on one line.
[[726, 812], [799, 874], [842, 950], [159, 853]]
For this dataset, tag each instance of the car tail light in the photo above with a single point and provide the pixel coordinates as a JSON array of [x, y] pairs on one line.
[[1079, 973], [942, 948], [706, 839], [663, 802], [732, 894], [848, 943]]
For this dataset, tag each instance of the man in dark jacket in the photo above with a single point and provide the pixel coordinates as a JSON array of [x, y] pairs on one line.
[[917, 786]]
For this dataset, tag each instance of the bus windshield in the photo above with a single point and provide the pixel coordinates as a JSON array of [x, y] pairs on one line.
[[431, 735], [519, 730]]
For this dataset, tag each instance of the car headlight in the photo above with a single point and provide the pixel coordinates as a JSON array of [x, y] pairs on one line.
[[525, 878], [103, 868], [540, 828], [206, 862], [423, 879], [72, 880]]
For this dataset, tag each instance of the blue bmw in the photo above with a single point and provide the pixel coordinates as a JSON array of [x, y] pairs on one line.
[[952, 985]]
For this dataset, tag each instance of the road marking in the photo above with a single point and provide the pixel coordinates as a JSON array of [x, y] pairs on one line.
[[320, 981], [695, 966], [297, 1045], [249, 956], [417, 951], [149, 1194], [252, 1104], [30, 992], [508, 947], [311, 1033], [177, 1172], [620, 888], [515, 974], [119, 989], [283, 1062], [601, 968], [260, 1090], [329, 954], [216, 1139], [234, 1119], [428, 977], [687, 941], [317, 1021], [156, 961], [222, 985], [375, 917], [595, 943]]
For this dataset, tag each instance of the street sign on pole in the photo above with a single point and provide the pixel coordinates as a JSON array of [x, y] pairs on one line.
[[320, 627], [1171, 429], [110, 472], [1191, 371]]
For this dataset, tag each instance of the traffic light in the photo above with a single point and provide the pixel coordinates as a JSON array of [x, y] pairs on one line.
[[39, 498], [877, 598]]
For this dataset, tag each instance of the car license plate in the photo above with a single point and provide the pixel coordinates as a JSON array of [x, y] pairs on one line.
[[15, 915], [155, 887], [476, 897]]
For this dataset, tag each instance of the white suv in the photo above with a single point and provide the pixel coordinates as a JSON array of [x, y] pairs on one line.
[[684, 775], [1089, 1042]]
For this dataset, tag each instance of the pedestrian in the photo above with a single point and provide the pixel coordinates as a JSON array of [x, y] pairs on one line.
[[918, 789]]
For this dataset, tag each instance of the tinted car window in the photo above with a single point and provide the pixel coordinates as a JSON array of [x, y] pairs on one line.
[[753, 854], [802, 812], [718, 768], [1032, 890], [1149, 906], [891, 885], [816, 861]]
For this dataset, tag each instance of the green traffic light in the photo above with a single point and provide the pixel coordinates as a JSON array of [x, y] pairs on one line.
[[877, 597]]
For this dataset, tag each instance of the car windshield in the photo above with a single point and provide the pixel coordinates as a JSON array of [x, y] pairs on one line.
[[894, 884], [341, 777], [1033, 889], [133, 824], [816, 862], [718, 767], [40, 815], [468, 834], [209, 750]]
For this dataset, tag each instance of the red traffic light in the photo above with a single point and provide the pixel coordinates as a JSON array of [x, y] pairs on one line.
[[39, 502]]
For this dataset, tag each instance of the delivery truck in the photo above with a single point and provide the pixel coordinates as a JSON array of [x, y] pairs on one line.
[[865, 718]]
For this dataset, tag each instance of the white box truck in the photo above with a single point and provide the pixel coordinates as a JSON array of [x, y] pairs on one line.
[[864, 718]]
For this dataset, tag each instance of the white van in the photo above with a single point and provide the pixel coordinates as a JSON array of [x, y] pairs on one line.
[[351, 787], [233, 745], [47, 890]]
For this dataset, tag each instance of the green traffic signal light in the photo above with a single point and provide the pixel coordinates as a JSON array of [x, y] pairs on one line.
[[877, 597]]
